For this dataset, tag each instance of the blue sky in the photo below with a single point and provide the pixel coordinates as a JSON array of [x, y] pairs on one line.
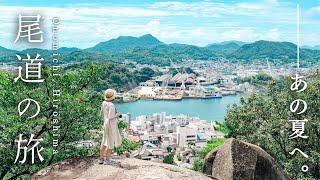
[[86, 23]]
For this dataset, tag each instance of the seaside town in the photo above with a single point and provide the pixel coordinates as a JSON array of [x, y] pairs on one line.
[[162, 90], [162, 134], [202, 80]]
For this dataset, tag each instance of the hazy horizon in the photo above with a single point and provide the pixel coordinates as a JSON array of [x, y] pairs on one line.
[[226, 41]]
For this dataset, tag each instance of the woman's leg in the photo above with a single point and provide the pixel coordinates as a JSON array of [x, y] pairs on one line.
[[108, 154], [102, 152]]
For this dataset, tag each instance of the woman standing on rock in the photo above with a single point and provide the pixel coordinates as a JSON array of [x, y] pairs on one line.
[[111, 136]]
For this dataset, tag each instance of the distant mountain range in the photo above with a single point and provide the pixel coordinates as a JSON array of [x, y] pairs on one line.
[[273, 50], [317, 47], [149, 50], [124, 43], [225, 48]]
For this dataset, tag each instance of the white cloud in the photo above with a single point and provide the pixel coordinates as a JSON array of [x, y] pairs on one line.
[[273, 2], [153, 23], [272, 34], [197, 23], [213, 9], [310, 37], [242, 34], [314, 11]]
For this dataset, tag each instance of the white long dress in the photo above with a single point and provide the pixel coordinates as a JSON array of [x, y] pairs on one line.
[[111, 136]]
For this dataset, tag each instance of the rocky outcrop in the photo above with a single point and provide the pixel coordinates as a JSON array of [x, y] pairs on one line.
[[242, 161], [123, 169]]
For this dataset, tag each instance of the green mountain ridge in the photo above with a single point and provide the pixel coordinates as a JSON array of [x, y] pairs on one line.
[[147, 49], [240, 43], [224, 49], [316, 47], [277, 51], [5, 53], [124, 43]]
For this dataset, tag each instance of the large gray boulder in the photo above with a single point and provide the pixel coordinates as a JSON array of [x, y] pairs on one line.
[[242, 161], [87, 168]]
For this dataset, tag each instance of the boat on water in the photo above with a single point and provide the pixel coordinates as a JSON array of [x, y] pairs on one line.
[[168, 98], [227, 93], [212, 96]]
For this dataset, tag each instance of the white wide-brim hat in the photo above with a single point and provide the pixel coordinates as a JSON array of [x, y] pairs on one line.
[[109, 94]]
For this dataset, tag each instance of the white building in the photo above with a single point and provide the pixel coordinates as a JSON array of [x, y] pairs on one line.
[[186, 135]]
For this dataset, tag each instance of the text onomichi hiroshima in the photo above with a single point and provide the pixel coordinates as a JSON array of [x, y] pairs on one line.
[[30, 72]]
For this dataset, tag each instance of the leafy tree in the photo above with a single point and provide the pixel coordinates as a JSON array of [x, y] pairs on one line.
[[81, 88], [169, 159], [198, 164], [264, 120], [210, 146], [77, 114], [261, 78], [222, 127], [145, 74], [147, 71], [127, 146], [122, 125]]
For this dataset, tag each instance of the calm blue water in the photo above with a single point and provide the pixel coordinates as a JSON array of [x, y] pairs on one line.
[[209, 109]]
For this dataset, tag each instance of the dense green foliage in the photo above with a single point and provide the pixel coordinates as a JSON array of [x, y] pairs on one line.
[[261, 78], [222, 127], [78, 109], [145, 74], [264, 120], [116, 76], [169, 159], [198, 164], [122, 125], [210, 146], [78, 113], [127, 146]]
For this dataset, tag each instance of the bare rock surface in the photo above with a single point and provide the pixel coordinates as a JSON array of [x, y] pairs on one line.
[[242, 161], [123, 169]]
